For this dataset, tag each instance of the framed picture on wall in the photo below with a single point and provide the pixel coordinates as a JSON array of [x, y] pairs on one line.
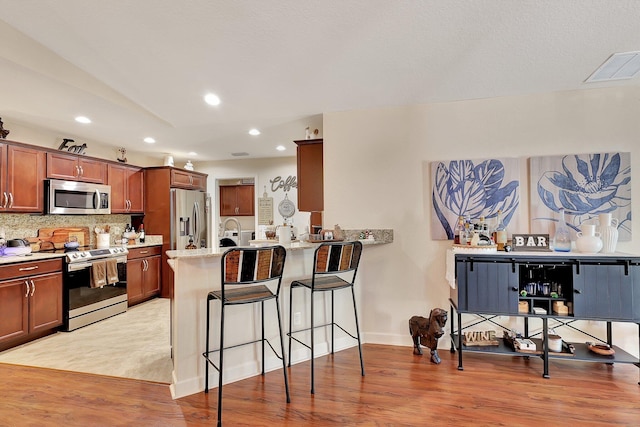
[[473, 189], [585, 186]]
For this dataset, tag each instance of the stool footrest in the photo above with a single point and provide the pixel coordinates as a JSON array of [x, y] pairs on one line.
[[290, 334]]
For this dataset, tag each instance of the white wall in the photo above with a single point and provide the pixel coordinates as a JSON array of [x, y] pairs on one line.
[[376, 172]]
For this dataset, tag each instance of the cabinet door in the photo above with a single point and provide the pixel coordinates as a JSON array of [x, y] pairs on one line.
[[228, 201], [181, 179], [603, 292], [45, 302], [310, 175], [135, 290], [152, 276], [199, 182], [117, 179], [25, 167], [135, 190], [92, 170], [14, 319], [71, 167], [489, 287], [245, 199]]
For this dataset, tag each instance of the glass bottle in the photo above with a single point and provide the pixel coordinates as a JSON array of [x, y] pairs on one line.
[[141, 235], [459, 230], [500, 233], [562, 236]]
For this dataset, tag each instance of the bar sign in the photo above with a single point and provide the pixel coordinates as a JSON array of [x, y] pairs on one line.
[[530, 242]]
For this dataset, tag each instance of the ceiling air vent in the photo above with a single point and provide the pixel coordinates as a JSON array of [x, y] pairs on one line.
[[619, 66], [240, 154]]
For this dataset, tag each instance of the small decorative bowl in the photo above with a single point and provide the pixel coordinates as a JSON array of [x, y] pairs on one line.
[[131, 235]]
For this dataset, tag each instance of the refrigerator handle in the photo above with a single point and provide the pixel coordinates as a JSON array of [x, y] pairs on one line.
[[196, 221]]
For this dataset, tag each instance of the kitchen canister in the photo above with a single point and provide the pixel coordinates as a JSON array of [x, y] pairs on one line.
[[608, 232], [285, 234], [102, 240]]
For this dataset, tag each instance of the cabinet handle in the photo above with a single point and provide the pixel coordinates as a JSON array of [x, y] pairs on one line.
[[577, 291], [128, 205], [513, 288], [33, 287], [146, 264], [6, 200], [81, 171], [35, 267], [26, 282], [10, 200], [77, 171], [144, 252]]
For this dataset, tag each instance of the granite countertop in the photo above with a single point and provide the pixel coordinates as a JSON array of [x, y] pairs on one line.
[[34, 256], [216, 252]]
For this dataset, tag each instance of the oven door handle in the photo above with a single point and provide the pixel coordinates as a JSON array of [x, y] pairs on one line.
[[82, 265]]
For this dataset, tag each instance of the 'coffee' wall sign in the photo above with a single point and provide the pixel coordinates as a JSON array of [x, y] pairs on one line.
[[530, 242]]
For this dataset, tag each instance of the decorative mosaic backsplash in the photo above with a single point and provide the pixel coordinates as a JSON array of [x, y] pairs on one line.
[[380, 235], [18, 226]]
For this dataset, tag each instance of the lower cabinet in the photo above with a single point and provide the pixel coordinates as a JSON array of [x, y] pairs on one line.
[[30, 305], [143, 274]]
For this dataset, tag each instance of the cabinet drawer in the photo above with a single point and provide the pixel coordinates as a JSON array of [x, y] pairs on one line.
[[22, 269], [144, 252]]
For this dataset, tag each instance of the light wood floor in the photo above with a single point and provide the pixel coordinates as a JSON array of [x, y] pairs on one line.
[[399, 389]]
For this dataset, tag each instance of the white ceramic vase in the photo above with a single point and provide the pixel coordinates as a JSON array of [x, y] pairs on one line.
[[588, 240], [608, 232]]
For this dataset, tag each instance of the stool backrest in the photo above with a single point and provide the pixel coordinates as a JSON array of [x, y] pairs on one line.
[[337, 257], [244, 266]]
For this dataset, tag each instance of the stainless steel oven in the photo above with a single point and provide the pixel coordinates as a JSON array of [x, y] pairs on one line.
[[75, 198], [84, 304]]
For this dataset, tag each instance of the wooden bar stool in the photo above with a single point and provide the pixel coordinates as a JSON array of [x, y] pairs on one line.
[[330, 259], [244, 275]]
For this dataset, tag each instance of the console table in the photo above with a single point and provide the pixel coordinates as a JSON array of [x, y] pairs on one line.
[[600, 287]]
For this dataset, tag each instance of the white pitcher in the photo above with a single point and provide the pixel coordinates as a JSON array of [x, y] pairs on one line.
[[608, 232], [588, 239]]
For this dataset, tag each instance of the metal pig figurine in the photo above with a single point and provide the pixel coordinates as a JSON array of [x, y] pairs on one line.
[[427, 331]]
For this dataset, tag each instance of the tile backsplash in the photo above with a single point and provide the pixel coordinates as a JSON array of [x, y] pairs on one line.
[[18, 226]]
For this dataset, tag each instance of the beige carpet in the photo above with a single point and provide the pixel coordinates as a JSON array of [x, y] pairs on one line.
[[134, 344]]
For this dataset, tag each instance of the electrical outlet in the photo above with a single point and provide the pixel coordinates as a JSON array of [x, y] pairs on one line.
[[297, 318]]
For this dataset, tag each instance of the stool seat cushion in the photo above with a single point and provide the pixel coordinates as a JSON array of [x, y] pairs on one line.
[[323, 283], [243, 295]]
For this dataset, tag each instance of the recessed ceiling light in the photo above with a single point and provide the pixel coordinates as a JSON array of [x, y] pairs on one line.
[[618, 66], [240, 154], [281, 148], [192, 153], [212, 99], [83, 119], [149, 140], [254, 132]]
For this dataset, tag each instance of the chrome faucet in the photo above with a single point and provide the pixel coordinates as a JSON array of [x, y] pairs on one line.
[[224, 226]]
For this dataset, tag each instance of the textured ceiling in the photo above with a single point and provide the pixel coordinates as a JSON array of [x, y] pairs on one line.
[[140, 68]]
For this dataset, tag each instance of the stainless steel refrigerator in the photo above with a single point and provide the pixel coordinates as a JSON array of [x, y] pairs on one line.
[[190, 218]]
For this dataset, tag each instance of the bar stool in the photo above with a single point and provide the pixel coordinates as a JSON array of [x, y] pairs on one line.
[[244, 274], [330, 259]]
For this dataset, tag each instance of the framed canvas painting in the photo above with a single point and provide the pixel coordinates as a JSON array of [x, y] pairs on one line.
[[585, 186], [473, 189]]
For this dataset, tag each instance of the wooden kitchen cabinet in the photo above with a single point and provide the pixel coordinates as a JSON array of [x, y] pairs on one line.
[[310, 175], [127, 188], [237, 200], [188, 180], [76, 168], [30, 301], [21, 179], [143, 274]]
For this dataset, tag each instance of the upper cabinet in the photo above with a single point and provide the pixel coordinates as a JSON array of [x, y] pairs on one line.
[[76, 168], [237, 200], [127, 188], [310, 175], [21, 178], [188, 180]]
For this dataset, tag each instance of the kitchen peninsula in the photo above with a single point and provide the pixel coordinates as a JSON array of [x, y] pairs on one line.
[[197, 272]]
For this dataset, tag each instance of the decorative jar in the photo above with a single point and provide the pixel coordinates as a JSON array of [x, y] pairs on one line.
[[608, 232], [588, 239]]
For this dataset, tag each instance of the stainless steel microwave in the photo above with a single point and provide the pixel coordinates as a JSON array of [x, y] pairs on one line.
[[76, 198]]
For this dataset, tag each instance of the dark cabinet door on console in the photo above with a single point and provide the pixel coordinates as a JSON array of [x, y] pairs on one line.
[[487, 287], [604, 291]]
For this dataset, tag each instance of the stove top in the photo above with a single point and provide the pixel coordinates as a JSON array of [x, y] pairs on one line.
[[86, 254]]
